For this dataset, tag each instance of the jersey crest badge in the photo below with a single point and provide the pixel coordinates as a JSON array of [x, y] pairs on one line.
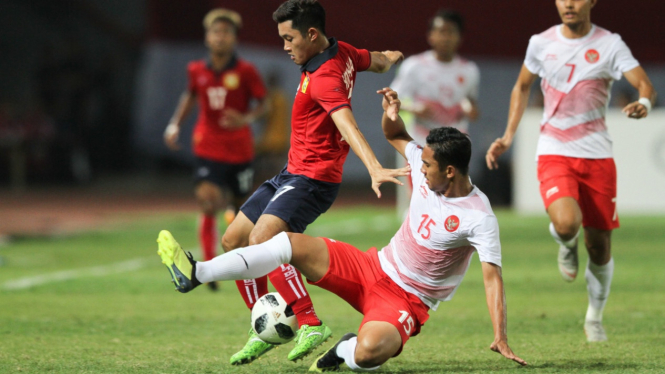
[[451, 223], [305, 83], [592, 56], [231, 81]]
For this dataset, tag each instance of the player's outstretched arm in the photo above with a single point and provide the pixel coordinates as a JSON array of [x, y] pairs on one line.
[[496, 303], [391, 123], [638, 78], [518, 100], [348, 127], [382, 61], [172, 131]]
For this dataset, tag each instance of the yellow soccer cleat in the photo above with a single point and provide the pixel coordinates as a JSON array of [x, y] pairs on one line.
[[181, 265]]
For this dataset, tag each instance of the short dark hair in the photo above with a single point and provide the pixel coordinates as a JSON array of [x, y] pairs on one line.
[[303, 14], [223, 15], [448, 16], [451, 147]]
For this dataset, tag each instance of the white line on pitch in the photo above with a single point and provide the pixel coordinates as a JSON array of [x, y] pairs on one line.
[[60, 276], [94, 271], [352, 226]]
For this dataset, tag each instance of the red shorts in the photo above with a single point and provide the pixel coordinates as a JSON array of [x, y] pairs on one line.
[[357, 277], [591, 182]]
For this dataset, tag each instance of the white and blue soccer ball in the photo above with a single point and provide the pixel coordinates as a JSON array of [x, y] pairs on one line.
[[273, 320]]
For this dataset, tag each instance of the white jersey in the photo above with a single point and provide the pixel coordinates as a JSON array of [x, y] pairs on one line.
[[422, 79], [431, 252], [577, 75]]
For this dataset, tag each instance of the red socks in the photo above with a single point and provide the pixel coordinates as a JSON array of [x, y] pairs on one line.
[[252, 289], [289, 284], [208, 237]]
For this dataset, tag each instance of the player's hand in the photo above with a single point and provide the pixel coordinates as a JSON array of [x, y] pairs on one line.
[[635, 110], [171, 134], [381, 175], [498, 147], [232, 119], [390, 103], [394, 56], [501, 347]]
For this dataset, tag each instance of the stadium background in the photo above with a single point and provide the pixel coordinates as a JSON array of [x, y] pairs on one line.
[[86, 87]]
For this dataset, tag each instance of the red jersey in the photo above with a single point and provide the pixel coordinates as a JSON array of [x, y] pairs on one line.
[[326, 85], [232, 87]]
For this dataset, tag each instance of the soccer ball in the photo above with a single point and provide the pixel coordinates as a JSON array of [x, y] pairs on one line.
[[273, 320]]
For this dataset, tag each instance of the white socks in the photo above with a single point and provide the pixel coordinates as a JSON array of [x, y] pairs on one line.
[[567, 243], [598, 281], [347, 351], [249, 262]]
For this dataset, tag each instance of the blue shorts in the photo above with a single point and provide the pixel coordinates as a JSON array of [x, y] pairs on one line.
[[239, 178], [296, 199]]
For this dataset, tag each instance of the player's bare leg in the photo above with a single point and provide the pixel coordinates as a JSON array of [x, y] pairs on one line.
[[266, 227], [309, 255], [566, 219], [210, 199], [237, 234], [598, 274], [376, 342]]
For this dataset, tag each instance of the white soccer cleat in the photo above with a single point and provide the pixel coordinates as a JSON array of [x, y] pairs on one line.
[[594, 331], [568, 262]]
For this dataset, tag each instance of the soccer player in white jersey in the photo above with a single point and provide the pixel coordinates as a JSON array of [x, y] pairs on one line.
[[577, 62], [394, 288], [437, 86]]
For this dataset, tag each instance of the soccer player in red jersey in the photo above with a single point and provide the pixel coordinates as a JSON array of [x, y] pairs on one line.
[[394, 288], [577, 62], [323, 129], [224, 86]]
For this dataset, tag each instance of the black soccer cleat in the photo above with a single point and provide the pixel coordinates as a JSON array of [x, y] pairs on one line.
[[329, 360]]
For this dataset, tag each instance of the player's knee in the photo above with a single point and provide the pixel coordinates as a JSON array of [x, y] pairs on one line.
[[232, 240], [369, 355], [566, 228]]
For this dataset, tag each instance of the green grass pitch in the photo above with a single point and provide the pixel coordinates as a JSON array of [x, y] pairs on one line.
[[101, 302]]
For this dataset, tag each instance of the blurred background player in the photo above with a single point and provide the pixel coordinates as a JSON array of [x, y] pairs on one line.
[[577, 62], [323, 129], [438, 87], [224, 86], [423, 265]]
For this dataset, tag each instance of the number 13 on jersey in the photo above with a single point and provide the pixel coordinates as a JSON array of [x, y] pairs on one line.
[[407, 322]]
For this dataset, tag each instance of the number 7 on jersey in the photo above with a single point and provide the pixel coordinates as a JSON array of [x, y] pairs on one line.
[[572, 70]]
